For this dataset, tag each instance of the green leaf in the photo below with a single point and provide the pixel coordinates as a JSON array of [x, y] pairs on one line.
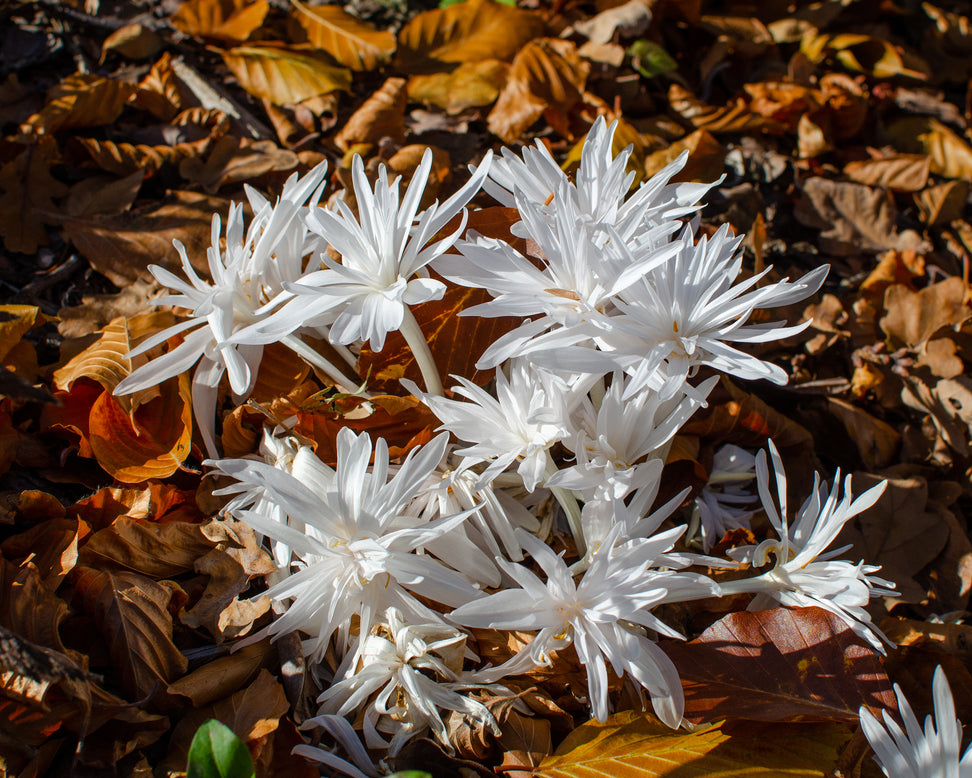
[[218, 753], [650, 59]]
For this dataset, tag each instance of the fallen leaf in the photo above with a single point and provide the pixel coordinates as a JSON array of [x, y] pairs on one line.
[[894, 267], [122, 247], [900, 173], [98, 310], [133, 41], [223, 676], [852, 218], [81, 100], [51, 546], [471, 85], [864, 54], [234, 160], [941, 357], [132, 612], [351, 42], [781, 101], [285, 76], [103, 194], [950, 155], [155, 501], [226, 20], [15, 322], [381, 115], [28, 194], [912, 317], [942, 203], [160, 92], [547, 76], [705, 163], [734, 117], [468, 31], [877, 441], [153, 549], [635, 744], [777, 665], [627, 20]]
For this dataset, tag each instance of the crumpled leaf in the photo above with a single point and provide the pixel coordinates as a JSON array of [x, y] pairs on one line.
[[234, 160], [157, 550], [547, 75], [351, 42], [223, 676], [628, 20], [734, 117], [469, 31], [901, 172], [777, 665], [912, 317], [132, 612], [632, 743], [28, 193], [471, 85], [82, 100], [877, 441], [705, 163], [950, 155], [285, 76], [381, 115], [226, 20], [864, 54]]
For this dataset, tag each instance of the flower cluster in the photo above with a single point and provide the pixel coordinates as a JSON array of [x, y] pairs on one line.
[[386, 567]]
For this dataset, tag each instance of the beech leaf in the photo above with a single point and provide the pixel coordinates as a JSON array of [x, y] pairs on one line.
[[350, 41], [285, 76]]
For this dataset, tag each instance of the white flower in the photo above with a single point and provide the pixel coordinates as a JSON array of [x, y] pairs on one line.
[[241, 283], [359, 545], [611, 442], [600, 194], [407, 673], [521, 423], [804, 574], [383, 258], [913, 753], [719, 504], [600, 615], [685, 314]]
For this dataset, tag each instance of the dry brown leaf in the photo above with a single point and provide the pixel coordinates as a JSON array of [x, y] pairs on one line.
[[942, 203], [547, 76], [734, 117], [51, 546], [157, 550], [912, 317], [948, 44], [122, 247], [160, 92], [28, 194], [226, 20], [96, 311], [781, 101], [252, 713], [285, 76], [627, 20], [133, 41], [877, 441], [132, 614], [900, 173], [103, 195], [705, 163], [15, 322], [82, 101], [941, 357], [350, 41], [464, 32], [852, 218], [381, 115], [950, 155], [156, 501], [471, 85], [234, 160], [894, 267], [223, 676], [863, 54]]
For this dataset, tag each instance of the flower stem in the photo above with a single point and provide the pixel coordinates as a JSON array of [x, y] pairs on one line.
[[569, 503], [341, 382], [423, 354]]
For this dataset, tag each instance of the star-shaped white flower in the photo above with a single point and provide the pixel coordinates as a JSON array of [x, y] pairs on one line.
[[804, 573], [913, 753], [359, 547], [601, 615]]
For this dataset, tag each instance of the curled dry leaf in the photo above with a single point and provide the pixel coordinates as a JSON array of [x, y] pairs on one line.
[[636, 744], [51, 546], [103, 194], [225, 20], [706, 160], [132, 613], [381, 115], [942, 203], [285, 76], [133, 41], [734, 117], [950, 155], [81, 101], [156, 502], [15, 322], [627, 20], [467, 31], [912, 317], [160, 92], [877, 441], [350, 41], [234, 160], [27, 194], [778, 665], [122, 247], [471, 85], [547, 75], [900, 173], [157, 550], [223, 676]]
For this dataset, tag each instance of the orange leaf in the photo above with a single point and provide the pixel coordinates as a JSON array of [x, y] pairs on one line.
[[156, 502], [228, 20], [777, 665], [151, 443], [350, 41], [285, 76], [82, 101]]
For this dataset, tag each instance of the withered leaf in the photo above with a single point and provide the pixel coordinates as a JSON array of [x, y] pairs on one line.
[[132, 612], [464, 32], [351, 42], [227, 20], [382, 114], [82, 101], [777, 665], [28, 194], [285, 76], [223, 676], [470, 85], [735, 117], [901, 173], [876, 440], [912, 317], [157, 550]]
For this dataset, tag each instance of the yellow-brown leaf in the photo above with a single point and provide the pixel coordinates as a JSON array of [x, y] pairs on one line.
[[350, 41], [285, 76], [228, 20]]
